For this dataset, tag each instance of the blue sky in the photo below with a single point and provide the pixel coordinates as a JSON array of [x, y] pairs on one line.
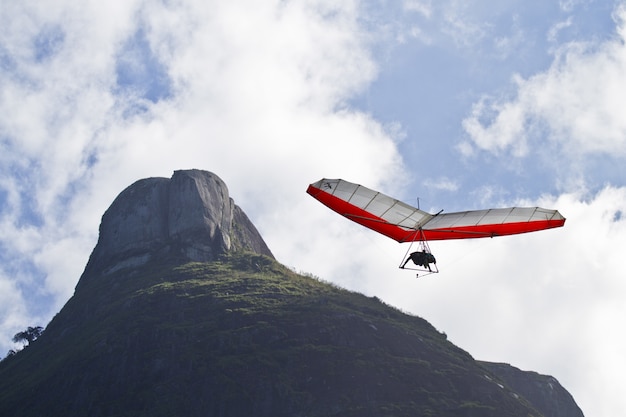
[[432, 76], [461, 104]]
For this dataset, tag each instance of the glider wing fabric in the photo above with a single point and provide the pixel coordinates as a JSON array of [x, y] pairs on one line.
[[405, 223]]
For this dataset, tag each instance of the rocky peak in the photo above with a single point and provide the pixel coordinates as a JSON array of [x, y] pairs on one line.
[[189, 216]]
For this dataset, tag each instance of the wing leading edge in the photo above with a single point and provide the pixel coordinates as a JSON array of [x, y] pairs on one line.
[[403, 223]]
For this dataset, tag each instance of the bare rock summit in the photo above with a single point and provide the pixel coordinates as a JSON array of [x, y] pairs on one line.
[[189, 216]]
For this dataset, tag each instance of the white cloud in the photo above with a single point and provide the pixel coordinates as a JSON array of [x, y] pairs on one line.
[[570, 5], [424, 7], [461, 25], [443, 183], [258, 95], [575, 107], [558, 27], [551, 301], [512, 43], [12, 311], [506, 131]]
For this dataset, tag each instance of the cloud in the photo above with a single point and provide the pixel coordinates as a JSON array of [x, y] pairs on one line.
[[505, 46], [423, 7], [443, 183], [558, 27], [12, 311], [551, 301], [461, 26], [570, 5], [574, 108], [94, 99], [506, 130]]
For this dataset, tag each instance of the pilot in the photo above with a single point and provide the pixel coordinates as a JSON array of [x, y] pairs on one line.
[[421, 258]]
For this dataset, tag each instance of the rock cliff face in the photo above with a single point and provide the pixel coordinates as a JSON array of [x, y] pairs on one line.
[[189, 216]]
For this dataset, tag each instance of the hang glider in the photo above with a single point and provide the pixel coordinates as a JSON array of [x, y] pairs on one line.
[[405, 223], [400, 221]]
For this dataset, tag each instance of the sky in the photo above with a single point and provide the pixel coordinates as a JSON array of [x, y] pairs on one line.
[[456, 104]]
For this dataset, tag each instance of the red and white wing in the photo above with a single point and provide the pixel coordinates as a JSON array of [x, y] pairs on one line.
[[491, 222], [370, 208], [402, 222]]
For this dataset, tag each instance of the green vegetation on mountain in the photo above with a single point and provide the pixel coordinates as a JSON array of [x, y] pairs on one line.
[[242, 336]]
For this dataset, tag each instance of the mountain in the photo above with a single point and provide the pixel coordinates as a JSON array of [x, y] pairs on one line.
[[183, 310]]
